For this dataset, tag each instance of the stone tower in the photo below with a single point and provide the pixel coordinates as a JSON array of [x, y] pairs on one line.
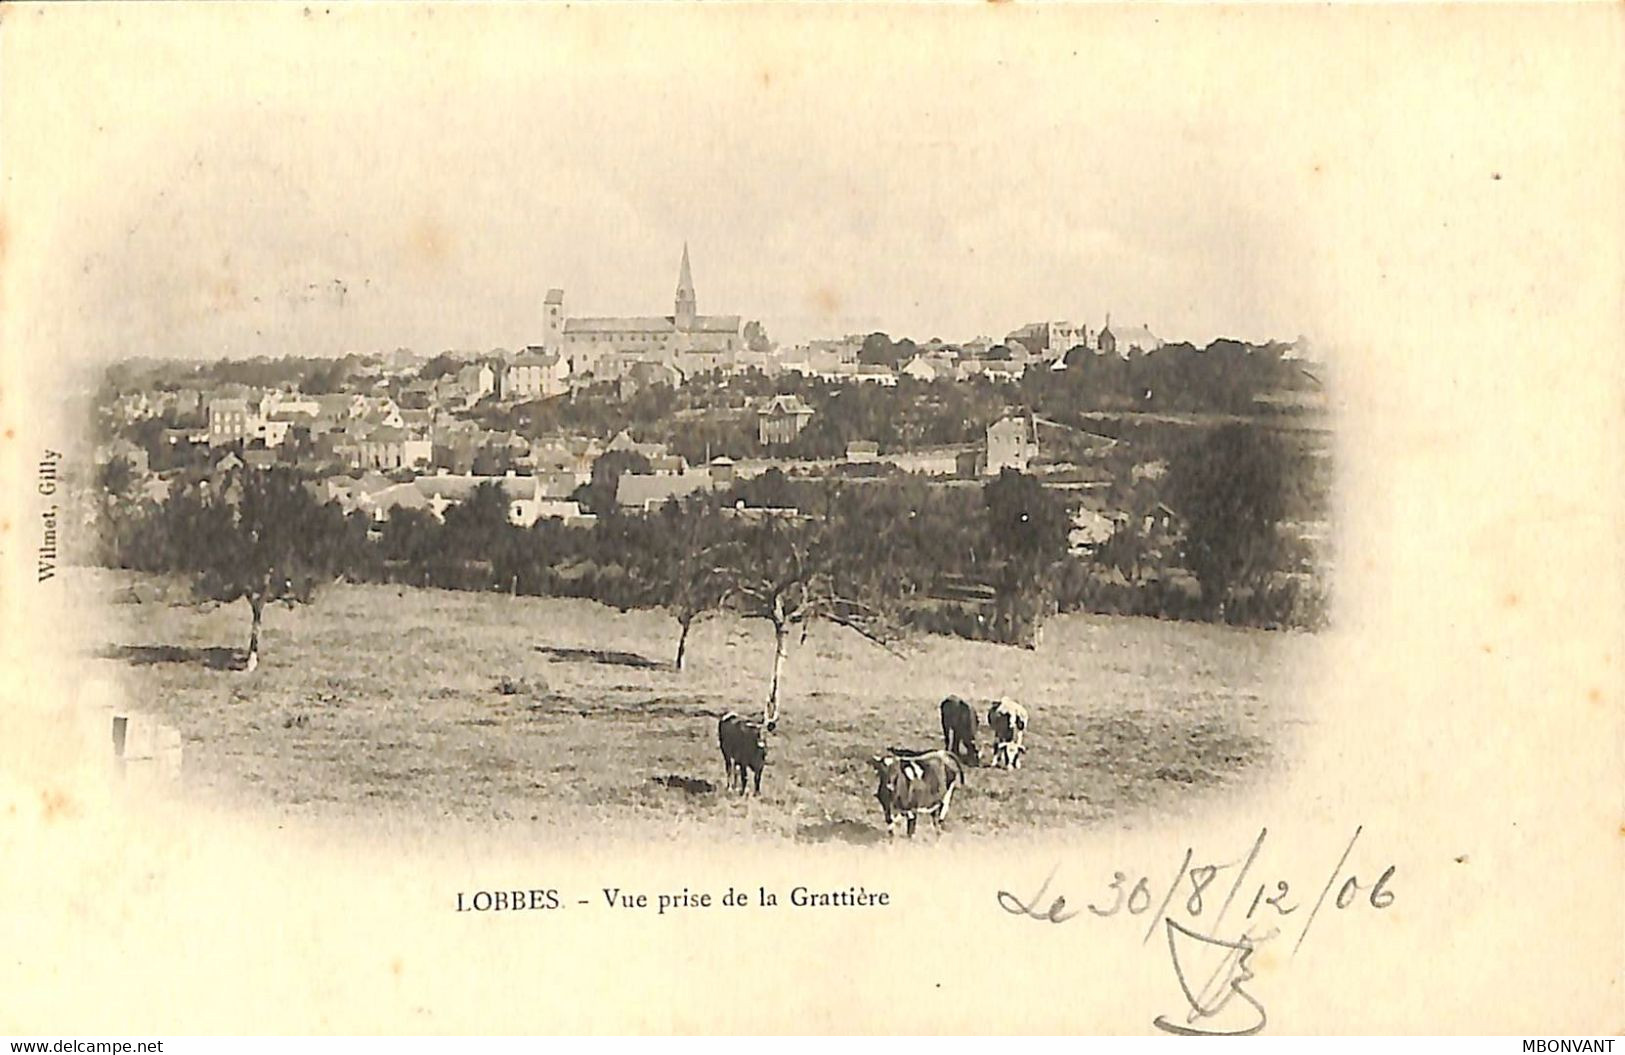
[[685, 295], [553, 320]]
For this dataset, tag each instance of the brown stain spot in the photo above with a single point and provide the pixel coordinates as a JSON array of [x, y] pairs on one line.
[[826, 300], [11, 434], [1488, 650], [765, 77], [1594, 695], [1316, 169], [1462, 859], [396, 967], [1510, 600], [57, 806], [226, 292], [430, 241]]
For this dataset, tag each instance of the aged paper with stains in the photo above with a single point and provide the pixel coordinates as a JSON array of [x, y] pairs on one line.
[[1432, 193]]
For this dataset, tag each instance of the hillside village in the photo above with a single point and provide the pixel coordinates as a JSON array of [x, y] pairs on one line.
[[654, 408]]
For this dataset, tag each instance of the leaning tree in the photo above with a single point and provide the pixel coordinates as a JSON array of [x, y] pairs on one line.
[[254, 535], [789, 571]]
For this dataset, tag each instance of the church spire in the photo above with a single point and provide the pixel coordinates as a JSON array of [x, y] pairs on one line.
[[686, 309]]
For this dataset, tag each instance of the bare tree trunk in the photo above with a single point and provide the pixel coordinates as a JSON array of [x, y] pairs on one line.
[[682, 643], [256, 603], [781, 651]]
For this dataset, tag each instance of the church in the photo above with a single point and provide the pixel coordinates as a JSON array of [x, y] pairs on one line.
[[607, 347]]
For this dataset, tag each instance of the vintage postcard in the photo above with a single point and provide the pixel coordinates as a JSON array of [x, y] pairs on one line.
[[980, 519]]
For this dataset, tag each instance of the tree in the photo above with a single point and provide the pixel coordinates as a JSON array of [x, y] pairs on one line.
[[786, 572], [606, 478], [682, 571], [439, 367], [251, 540], [1231, 489], [756, 338], [1027, 538], [877, 348]]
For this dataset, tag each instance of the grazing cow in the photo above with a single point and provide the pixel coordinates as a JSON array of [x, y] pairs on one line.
[[1008, 720], [744, 749], [910, 784], [959, 730]]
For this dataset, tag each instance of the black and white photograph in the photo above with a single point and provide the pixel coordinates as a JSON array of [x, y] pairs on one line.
[[706, 478]]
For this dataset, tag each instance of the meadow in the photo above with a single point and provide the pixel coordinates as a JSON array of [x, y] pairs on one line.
[[564, 713]]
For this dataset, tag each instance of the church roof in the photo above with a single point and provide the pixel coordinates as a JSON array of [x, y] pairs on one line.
[[621, 324], [651, 324]]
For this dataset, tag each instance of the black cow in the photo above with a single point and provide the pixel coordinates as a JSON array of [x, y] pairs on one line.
[[959, 730], [744, 749], [910, 784], [1008, 720]]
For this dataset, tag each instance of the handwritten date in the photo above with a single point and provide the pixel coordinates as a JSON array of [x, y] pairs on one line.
[[1218, 1003]]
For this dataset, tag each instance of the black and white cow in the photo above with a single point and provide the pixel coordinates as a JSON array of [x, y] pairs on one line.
[[1008, 720], [959, 730], [912, 784], [744, 749]]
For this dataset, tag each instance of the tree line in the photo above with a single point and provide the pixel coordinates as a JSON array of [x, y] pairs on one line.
[[883, 558]]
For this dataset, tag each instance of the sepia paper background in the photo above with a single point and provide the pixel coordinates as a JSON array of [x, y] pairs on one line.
[[1441, 204]]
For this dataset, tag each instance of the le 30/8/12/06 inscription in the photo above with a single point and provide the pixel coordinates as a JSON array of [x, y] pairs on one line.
[[1213, 970]]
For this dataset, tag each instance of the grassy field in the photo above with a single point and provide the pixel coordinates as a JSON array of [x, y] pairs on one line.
[[467, 706]]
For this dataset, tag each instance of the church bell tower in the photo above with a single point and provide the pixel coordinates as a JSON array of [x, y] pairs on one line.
[[685, 295]]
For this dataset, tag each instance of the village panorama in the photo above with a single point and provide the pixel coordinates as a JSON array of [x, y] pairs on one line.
[[662, 571]]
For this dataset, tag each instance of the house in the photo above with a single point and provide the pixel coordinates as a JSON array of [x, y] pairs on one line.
[[535, 373], [781, 419], [1125, 340], [259, 458], [876, 374], [130, 454], [647, 491], [389, 449], [623, 441], [1012, 442], [668, 465], [476, 381], [722, 471], [862, 451], [641, 375], [272, 431], [921, 368], [231, 421], [1046, 340], [445, 490], [381, 504], [154, 489]]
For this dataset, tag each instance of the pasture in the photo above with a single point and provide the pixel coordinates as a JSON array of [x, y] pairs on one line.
[[564, 714]]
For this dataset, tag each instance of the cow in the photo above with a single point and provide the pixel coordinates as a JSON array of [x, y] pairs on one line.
[[1008, 720], [959, 730], [744, 749], [910, 784]]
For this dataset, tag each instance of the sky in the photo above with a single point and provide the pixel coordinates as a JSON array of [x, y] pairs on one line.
[[253, 181]]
